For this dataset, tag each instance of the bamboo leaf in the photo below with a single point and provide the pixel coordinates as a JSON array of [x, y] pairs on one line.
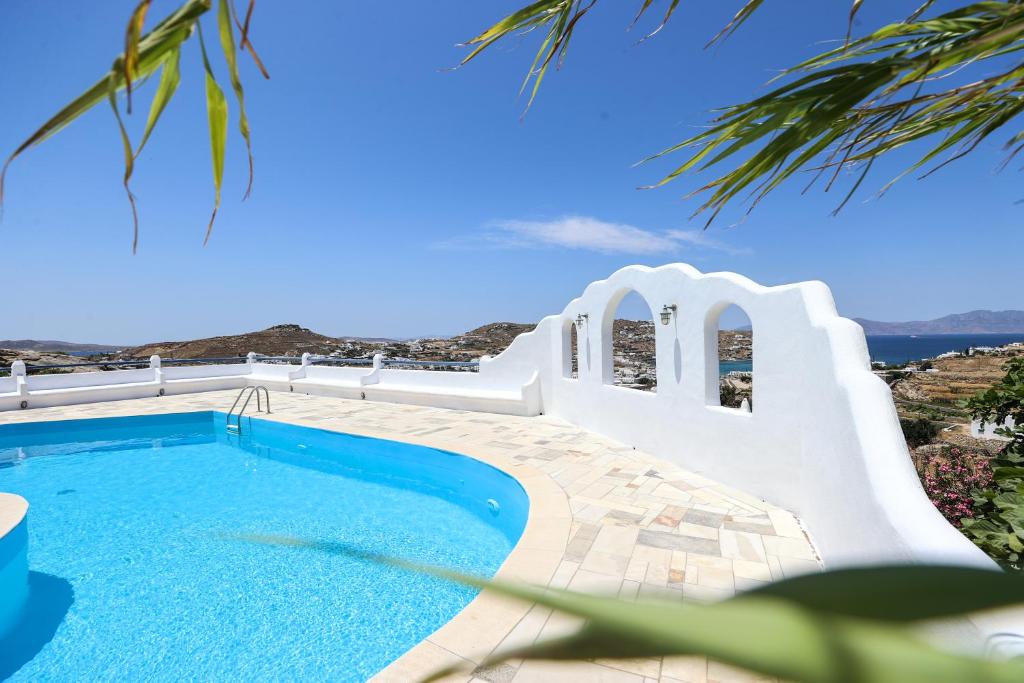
[[227, 42], [217, 114], [129, 158], [131, 46], [245, 43], [775, 635], [854, 8], [899, 593], [153, 48], [170, 77]]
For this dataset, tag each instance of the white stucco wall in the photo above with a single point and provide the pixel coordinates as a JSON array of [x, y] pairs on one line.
[[823, 438], [987, 430]]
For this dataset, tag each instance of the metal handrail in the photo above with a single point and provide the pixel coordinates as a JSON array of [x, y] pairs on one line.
[[242, 359], [248, 397], [439, 363], [225, 359], [100, 363], [84, 365]]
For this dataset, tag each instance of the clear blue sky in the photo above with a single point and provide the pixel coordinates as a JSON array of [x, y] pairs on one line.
[[393, 197]]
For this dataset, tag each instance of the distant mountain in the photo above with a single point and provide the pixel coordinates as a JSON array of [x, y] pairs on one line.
[[51, 345], [279, 340], [973, 322], [294, 340]]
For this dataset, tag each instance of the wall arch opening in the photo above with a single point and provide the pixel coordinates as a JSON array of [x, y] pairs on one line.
[[731, 333], [632, 348]]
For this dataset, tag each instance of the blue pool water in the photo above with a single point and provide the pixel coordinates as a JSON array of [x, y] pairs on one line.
[[138, 572]]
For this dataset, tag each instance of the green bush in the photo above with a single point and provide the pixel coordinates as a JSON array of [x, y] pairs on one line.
[[998, 524], [918, 432]]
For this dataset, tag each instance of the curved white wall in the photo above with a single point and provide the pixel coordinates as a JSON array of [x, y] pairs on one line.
[[823, 438]]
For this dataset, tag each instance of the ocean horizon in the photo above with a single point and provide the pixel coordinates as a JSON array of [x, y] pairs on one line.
[[904, 348]]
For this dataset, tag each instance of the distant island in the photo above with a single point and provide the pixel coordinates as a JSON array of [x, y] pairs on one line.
[[53, 345], [972, 322]]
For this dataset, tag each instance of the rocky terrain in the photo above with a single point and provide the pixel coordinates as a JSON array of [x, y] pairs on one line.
[[279, 340], [935, 393], [8, 356]]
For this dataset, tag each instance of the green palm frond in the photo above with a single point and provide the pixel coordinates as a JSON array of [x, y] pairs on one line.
[[843, 626], [143, 55], [842, 109]]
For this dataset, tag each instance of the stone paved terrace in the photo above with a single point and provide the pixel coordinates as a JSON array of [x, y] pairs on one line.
[[609, 519]]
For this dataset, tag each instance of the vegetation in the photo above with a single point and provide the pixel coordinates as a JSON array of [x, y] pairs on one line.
[[160, 50], [728, 396], [951, 478], [918, 432], [947, 79], [842, 109], [849, 626], [998, 523]]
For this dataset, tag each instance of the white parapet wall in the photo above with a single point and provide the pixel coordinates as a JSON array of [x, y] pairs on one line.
[[823, 438]]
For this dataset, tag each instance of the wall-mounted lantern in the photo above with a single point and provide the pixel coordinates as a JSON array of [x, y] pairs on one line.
[[667, 311], [582, 318]]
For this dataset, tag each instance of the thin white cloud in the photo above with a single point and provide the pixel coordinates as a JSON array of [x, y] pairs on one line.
[[589, 234]]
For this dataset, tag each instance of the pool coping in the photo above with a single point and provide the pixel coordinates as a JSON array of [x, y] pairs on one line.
[[481, 626], [13, 509], [485, 623]]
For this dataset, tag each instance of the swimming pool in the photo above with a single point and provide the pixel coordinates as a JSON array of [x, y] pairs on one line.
[[137, 571]]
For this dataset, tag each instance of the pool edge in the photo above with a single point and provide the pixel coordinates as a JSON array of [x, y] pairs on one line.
[[488, 620], [13, 560]]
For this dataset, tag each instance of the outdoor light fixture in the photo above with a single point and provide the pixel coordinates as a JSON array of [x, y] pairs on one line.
[[581, 318], [667, 311]]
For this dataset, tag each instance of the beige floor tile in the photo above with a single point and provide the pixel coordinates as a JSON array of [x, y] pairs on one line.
[[597, 482], [685, 669], [576, 672]]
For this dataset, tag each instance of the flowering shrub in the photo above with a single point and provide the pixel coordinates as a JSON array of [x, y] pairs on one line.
[[950, 476], [997, 526]]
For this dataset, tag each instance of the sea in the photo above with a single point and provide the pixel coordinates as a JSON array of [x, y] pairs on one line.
[[898, 348], [902, 348]]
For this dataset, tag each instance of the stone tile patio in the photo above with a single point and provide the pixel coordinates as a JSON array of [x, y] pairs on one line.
[[604, 518]]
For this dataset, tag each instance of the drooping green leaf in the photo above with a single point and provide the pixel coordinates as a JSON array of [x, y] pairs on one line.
[[132, 36], [227, 42], [774, 635], [153, 48], [129, 157], [899, 593], [170, 77], [217, 115]]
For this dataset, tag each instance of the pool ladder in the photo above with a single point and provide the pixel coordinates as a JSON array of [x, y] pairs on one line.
[[236, 426]]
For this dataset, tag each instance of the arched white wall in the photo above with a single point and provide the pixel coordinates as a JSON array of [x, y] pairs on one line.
[[823, 439]]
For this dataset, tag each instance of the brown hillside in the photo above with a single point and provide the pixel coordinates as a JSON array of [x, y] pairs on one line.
[[279, 340]]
